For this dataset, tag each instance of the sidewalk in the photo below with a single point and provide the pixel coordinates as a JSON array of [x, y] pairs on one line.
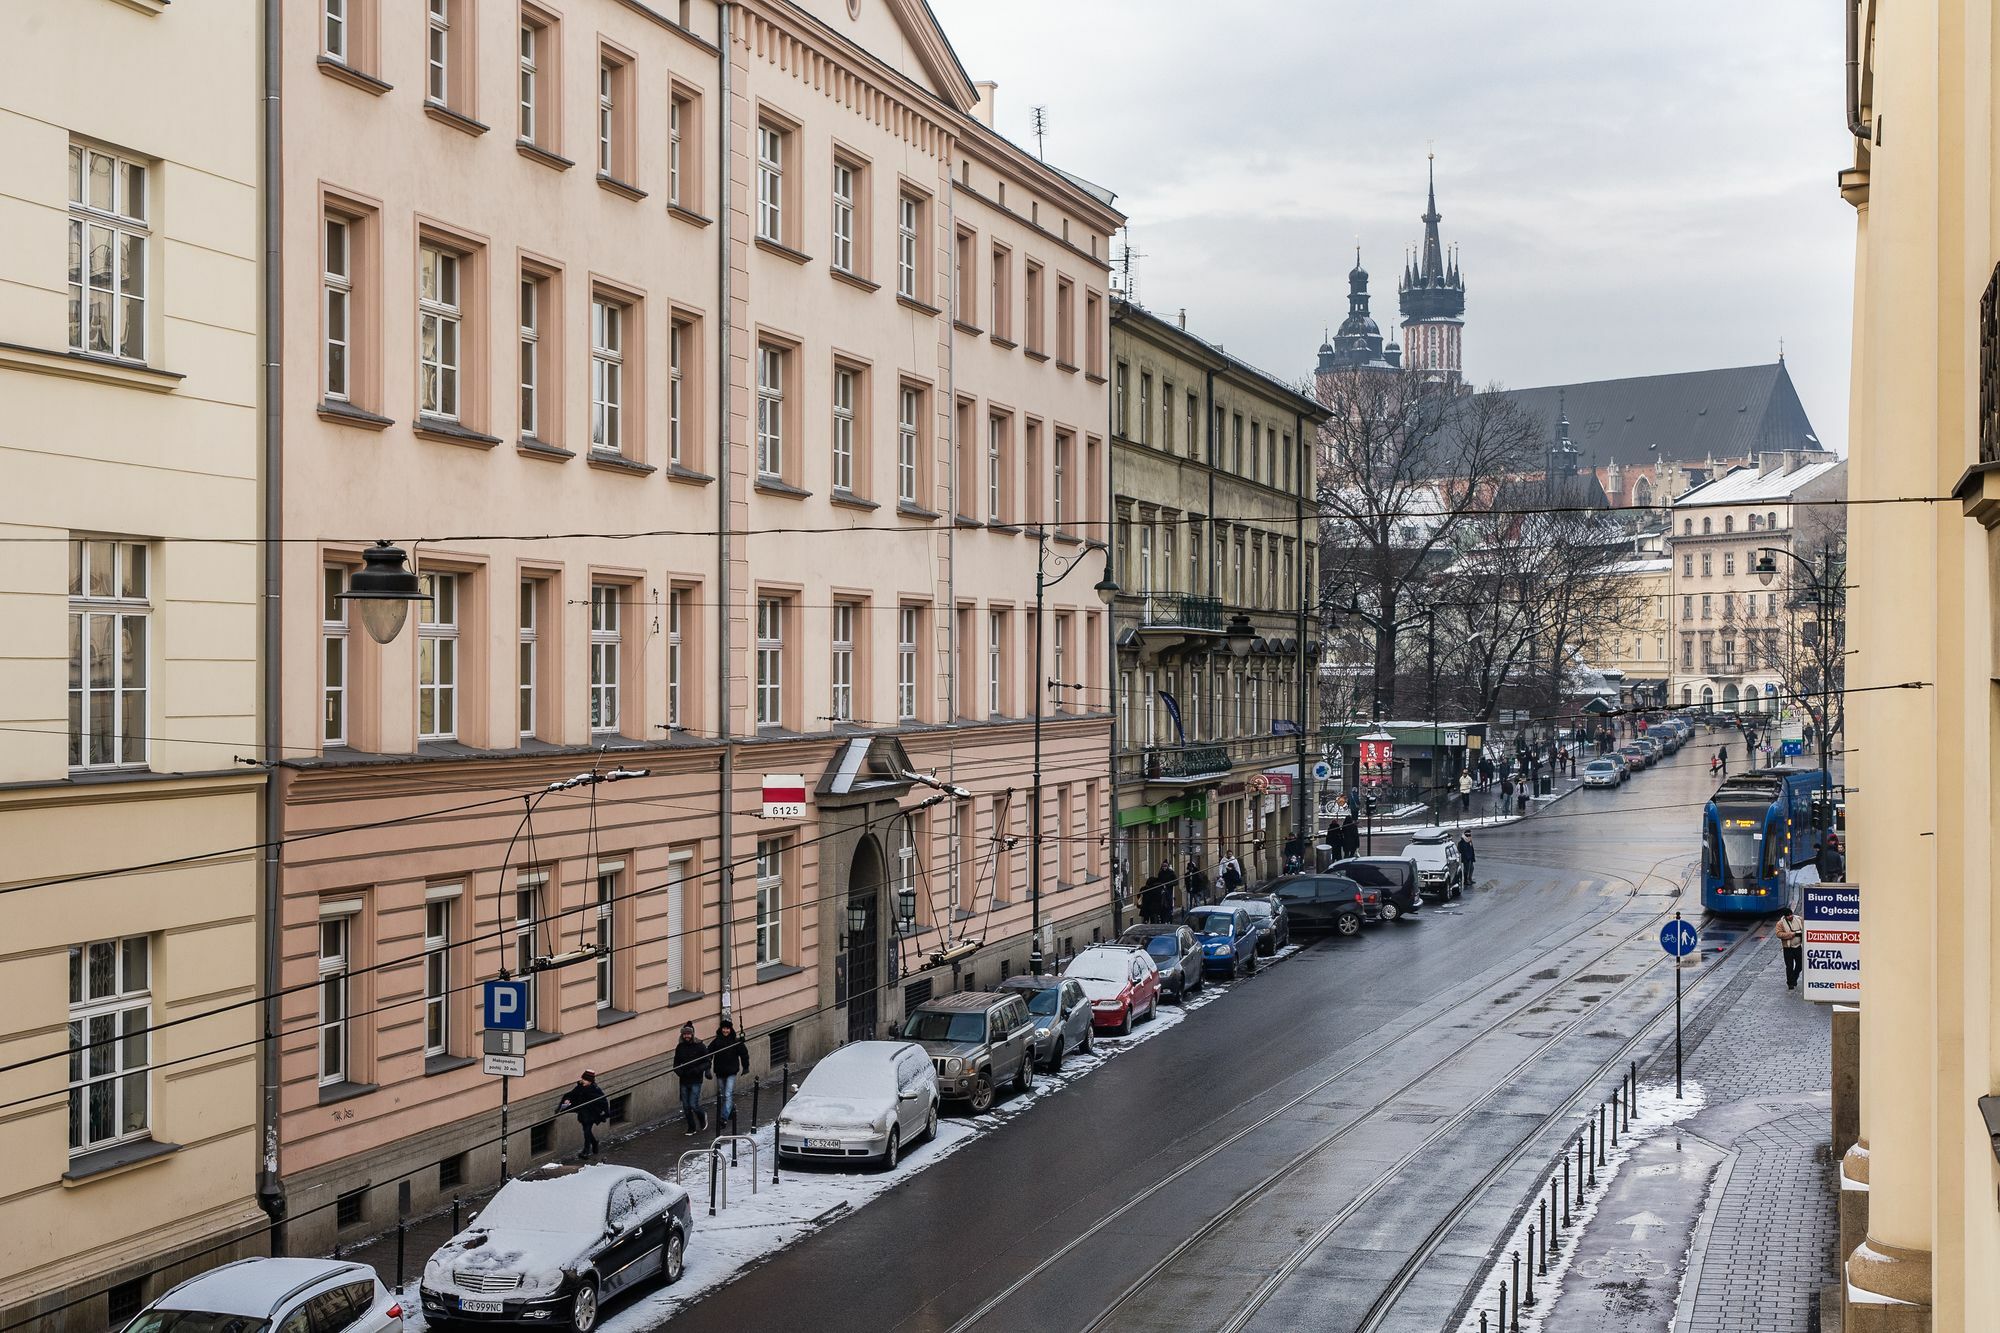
[[1484, 809]]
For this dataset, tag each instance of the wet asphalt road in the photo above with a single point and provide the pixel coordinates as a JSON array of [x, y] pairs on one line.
[[1274, 1161]]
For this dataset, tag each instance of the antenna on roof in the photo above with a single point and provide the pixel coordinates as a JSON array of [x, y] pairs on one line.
[[1781, 351], [1126, 255], [1041, 121]]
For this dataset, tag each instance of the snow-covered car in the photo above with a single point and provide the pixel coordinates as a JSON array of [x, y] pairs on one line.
[[275, 1296], [1122, 983], [551, 1248], [864, 1101], [1440, 873]]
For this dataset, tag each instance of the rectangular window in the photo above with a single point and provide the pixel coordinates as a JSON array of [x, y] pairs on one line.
[[996, 468], [770, 183], [437, 976], [439, 321], [1002, 279], [1066, 322], [335, 1044], [533, 291], [337, 30], [679, 942], [770, 661], [108, 240], [843, 428], [909, 620], [677, 117], [607, 116], [1729, 562], [1120, 391], [677, 336], [1059, 484], [1707, 607], [1031, 307], [1093, 337], [770, 900], [531, 75], [1236, 444], [676, 610], [1061, 658], [607, 375], [1145, 406], [529, 655], [109, 657], [338, 296], [438, 70], [996, 663], [525, 930], [843, 216], [609, 874], [964, 305], [770, 411], [333, 655], [1029, 508], [842, 671], [110, 1014], [606, 643], [437, 658], [908, 213], [909, 410]]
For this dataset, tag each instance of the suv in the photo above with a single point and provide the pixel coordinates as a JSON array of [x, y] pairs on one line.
[[1327, 902], [1394, 877], [277, 1295], [1439, 870], [978, 1040]]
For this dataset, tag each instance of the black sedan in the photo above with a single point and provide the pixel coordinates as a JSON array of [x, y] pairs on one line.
[[1270, 910], [1327, 902], [552, 1247], [1175, 951]]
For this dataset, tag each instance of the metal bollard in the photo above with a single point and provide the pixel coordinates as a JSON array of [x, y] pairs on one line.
[[1503, 1308], [1615, 1095], [1544, 1209], [1529, 1300], [1552, 1211], [1590, 1154], [714, 1159], [1482, 1321], [784, 1090], [1516, 1307], [755, 1088], [1600, 1134], [454, 1215], [401, 1227], [1565, 1189]]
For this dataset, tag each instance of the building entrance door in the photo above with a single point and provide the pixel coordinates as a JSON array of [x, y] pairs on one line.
[[863, 924]]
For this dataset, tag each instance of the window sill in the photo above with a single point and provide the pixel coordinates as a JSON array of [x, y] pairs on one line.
[[115, 1160], [444, 1064], [849, 500], [534, 448], [1064, 365], [1008, 343], [346, 414], [450, 432], [614, 462], [354, 78], [909, 510], [783, 251], [972, 329], [606, 1017], [1035, 532], [853, 279], [689, 216], [88, 366], [1033, 355], [912, 303], [537, 1037], [151, 7], [534, 152], [675, 472], [329, 1093], [625, 189], [995, 525], [774, 486], [1095, 378], [961, 521], [458, 120], [1066, 538], [776, 972], [683, 997]]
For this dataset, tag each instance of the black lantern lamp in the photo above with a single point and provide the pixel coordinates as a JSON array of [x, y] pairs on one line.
[[1107, 588], [1240, 635], [383, 590]]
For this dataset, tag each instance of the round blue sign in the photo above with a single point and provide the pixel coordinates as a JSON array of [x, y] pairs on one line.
[[1679, 938]]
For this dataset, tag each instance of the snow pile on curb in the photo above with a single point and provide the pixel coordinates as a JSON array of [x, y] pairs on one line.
[[1657, 1111]]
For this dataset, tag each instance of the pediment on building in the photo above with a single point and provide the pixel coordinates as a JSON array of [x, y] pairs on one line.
[[904, 34]]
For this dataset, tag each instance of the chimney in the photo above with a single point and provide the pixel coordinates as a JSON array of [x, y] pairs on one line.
[[1183, 319], [1768, 462], [982, 110]]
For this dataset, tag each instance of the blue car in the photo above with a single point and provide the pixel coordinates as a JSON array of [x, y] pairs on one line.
[[1228, 936]]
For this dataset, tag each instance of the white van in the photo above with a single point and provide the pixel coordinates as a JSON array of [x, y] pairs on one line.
[[1440, 873]]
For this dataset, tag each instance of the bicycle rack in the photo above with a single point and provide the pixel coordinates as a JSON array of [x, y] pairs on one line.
[[747, 1141], [718, 1162]]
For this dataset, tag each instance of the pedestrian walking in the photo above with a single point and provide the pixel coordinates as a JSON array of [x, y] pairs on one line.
[[1792, 940], [1467, 856], [1232, 873], [1350, 835], [1832, 866], [1464, 792], [691, 1063], [1722, 759], [1197, 882], [728, 1056], [587, 1100], [1507, 786]]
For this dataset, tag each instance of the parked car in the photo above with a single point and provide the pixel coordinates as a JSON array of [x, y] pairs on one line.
[[1603, 773], [1269, 911], [275, 1296], [1655, 749], [1176, 953], [1394, 877], [1123, 985], [1061, 1012], [1635, 755], [1624, 765], [1439, 869], [1228, 938], [977, 1040], [1327, 902], [553, 1247], [866, 1100]]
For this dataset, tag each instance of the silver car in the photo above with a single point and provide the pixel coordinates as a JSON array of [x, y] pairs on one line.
[[290, 1295], [1061, 1012], [866, 1100]]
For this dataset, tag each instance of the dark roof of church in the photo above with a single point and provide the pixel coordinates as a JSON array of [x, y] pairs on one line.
[[1528, 494], [1688, 416]]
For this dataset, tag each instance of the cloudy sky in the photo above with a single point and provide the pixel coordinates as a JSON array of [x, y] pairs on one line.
[[1633, 188]]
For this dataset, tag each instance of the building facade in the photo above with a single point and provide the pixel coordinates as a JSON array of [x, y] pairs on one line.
[[1733, 632], [1432, 295], [131, 445], [1214, 525], [810, 366], [1637, 647]]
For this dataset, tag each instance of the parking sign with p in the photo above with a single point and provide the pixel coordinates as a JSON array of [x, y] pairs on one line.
[[507, 1005]]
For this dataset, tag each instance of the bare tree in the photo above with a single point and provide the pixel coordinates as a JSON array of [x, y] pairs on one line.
[[1809, 648]]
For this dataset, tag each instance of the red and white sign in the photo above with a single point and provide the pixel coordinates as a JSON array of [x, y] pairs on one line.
[[1378, 756], [784, 796]]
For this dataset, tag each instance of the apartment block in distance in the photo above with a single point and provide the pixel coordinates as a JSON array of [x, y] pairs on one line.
[[723, 375], [130, 508]]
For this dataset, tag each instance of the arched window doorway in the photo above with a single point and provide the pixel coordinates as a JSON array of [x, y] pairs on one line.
[[860, 926], [1708, 698], [1642, 494], [1729, 699], [1687, 695]]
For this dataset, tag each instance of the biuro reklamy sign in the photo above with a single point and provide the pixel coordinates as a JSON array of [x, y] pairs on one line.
[[1832, 915]]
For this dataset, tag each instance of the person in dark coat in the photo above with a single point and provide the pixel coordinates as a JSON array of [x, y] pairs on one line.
[[728, 1056], [691, 1063], [1350, 835], [1197, 882], [1232, 874], [1467, 856], [1832, 866], [588, 1101]]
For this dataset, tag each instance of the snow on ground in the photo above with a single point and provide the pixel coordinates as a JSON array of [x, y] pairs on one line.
[[1658, 1110], [756, 1226]]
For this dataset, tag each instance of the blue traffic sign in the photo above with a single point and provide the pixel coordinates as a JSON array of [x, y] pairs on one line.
[[1679, 938], [507, 1005]]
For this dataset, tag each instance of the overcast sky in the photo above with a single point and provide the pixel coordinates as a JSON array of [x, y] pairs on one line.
[[1633, 189]]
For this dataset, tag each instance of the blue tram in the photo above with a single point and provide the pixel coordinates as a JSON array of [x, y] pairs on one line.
[[1756, 827]]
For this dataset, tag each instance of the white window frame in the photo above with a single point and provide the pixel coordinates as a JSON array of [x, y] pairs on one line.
[[995, 471], [1061, 475], [908, 406], [437, 70], [528, 656], [770, 183], [335, 664], [609, 875], [1058, 652], [124, 608], [844, 387], [336, 1007], [844, 176], [908, 212], [437, 975], [337, 263], [115, 225], [677, 919], [770, 661], [437, 656], [770, 410], [996, 661], [523, 933], [606, 648], [119, 1059], [676, 602], [607, 115], [909, 621], [841, 663], [440, 332], [769, 930], [532, 287], [607, 374], [531, 45], [674, 105], [676, 402], [334, 30]]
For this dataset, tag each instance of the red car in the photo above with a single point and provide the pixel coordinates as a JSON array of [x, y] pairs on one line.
[[1122, 984]]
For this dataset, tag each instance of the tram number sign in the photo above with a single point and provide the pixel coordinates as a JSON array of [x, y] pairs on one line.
[[1679, 938], [784, 796]]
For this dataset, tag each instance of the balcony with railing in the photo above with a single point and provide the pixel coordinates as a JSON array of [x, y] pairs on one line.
[[1175, 765], [1180, 611]]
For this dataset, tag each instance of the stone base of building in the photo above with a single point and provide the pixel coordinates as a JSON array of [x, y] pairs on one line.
[[86, 1305], [1888, 1290], [1852, 1179], [1846, 1125]]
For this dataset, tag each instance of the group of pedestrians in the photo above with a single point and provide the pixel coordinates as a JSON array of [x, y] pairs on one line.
[[725, 1057], [1156, 895]]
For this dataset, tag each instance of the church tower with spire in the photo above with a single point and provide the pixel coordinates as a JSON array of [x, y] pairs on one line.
[[1433, 302], [1358, 345]]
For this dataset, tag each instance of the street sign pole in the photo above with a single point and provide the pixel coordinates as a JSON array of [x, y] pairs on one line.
[[1679, 939], [504, 1081], [1677, 1017]]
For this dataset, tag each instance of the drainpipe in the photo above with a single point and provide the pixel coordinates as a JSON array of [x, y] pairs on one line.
[[1111, 651], [1301, 804], [1208, 425], [270, 1196], [724, 17], [1856, 125]]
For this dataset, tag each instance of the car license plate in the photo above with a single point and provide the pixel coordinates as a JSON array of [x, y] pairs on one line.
[[823, 1143], [471, 1306]]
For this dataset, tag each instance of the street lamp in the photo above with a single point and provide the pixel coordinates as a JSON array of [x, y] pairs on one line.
[[1818, 580], [1107, 591], [1240, 635], [383, 590]]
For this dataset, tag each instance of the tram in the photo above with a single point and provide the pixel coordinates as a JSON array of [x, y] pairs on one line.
[[1756, 827]]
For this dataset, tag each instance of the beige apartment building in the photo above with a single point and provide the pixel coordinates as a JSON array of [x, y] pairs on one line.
[[1636, 647], [1920, 1228], [725, 376], [1217, 624], [130, 506], [1733, 631]]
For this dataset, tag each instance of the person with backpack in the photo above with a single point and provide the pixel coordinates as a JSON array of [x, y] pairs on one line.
[[728, 1056], [589, 1103], [691, 1064]]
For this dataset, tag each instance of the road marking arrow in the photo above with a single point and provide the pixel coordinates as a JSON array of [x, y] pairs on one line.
[[1642, 1224]]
